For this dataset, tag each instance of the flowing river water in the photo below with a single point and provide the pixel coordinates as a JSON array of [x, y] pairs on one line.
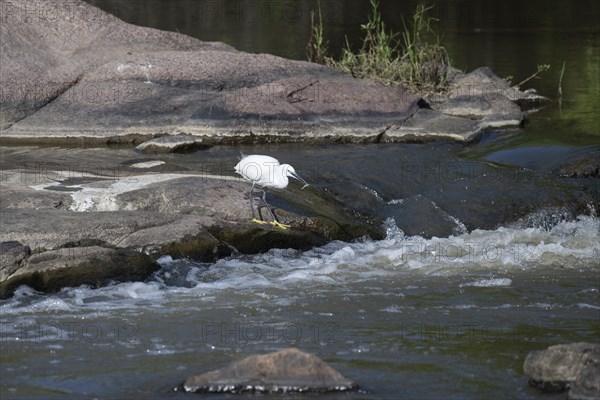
[[446, 306]]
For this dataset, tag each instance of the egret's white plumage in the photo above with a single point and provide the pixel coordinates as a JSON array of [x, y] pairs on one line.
[[266, 172]]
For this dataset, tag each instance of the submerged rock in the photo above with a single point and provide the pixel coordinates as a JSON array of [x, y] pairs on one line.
[[574, 366], [586, 166], [288, 370]]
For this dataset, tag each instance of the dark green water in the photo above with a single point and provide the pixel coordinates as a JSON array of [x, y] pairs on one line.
[[406, 317]]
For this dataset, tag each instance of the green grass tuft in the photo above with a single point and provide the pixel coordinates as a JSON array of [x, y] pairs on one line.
[[406, 59]]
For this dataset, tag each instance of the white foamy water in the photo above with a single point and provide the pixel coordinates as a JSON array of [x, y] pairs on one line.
[[493, 255], [489, 282], [400, 300]]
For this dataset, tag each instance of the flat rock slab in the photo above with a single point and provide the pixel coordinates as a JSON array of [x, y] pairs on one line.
[[426, 125], [288, 370], [72, 217], [90, 78], [575, 366]]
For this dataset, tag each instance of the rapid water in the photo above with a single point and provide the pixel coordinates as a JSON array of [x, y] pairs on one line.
[[443, 317], [488, 254]]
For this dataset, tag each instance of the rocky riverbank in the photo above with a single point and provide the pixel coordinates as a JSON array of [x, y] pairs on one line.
[[92, 78], [79, 76], [97, 212]]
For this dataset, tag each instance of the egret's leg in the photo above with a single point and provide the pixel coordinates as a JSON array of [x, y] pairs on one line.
[[275, 221], [258, 221]]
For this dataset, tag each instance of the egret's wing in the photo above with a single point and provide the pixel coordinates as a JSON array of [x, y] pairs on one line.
[[242, 155]]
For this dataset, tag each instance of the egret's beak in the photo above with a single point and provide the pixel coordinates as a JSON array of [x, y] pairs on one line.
[[298, 177]]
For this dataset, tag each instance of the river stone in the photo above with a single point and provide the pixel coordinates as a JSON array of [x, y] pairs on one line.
[[288, 370], [52, 270], [559, 366]]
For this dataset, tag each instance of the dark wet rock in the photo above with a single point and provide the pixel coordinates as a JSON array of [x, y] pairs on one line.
[[12, 256], [583, 167], [415, 215], [91, 78], [173, 144], [420, 216], [288, 370], [50, 271], [566, 366]]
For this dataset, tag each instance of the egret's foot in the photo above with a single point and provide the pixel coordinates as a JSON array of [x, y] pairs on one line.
[[258, 221], [279, 224]]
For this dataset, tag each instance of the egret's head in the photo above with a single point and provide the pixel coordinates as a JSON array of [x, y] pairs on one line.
[[291, 172]]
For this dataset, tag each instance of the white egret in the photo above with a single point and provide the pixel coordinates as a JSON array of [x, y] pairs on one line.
[[266, 172]]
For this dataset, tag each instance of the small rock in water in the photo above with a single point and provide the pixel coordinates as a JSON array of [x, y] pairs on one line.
[[287, 370], [575, 366]]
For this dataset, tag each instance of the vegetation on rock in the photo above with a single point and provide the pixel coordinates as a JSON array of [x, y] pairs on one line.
[[407, 59]]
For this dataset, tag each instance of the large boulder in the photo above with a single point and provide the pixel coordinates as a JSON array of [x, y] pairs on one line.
[[74, 70], [73, 73], [574, 366], [288, 370]]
